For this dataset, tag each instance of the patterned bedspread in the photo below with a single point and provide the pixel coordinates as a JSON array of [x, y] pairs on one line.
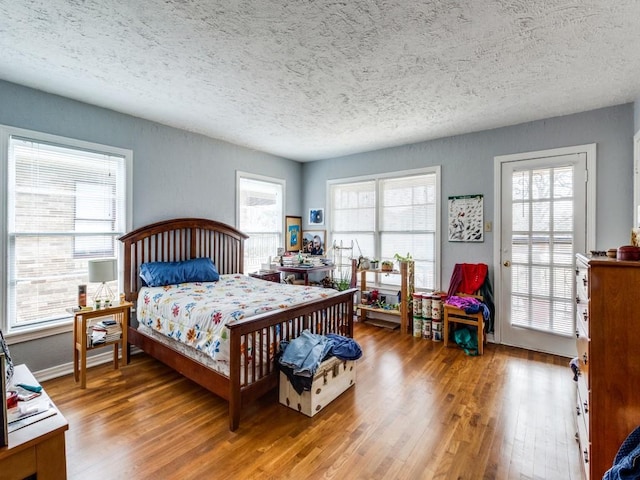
[[196, 314]]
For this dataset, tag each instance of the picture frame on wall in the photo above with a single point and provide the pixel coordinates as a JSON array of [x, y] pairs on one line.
[[466, 218], [316, 216], [313, 242], [293, 234]]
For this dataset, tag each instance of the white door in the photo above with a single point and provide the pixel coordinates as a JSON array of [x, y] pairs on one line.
[[543, 225]]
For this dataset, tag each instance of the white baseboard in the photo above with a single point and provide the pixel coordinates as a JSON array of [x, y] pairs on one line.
[[67, 368]]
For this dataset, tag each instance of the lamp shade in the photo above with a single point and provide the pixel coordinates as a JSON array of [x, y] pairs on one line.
[[102, 270]]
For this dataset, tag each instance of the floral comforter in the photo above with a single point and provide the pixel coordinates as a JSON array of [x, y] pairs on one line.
[[196, 314]]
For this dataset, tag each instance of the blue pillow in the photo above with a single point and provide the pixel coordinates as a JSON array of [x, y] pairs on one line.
[[158, 274]]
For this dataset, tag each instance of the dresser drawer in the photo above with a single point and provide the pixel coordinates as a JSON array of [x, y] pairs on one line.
[[582, 403], [582, 284], [582, 317], [582, 345]]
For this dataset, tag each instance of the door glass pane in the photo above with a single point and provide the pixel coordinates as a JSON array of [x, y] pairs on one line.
[[542, 249]]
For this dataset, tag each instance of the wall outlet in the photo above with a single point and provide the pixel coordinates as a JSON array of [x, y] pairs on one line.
[[488, 226]]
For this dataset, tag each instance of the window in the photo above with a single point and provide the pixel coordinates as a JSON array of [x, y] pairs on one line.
[[260, 215], [66, 203], [385, 215]]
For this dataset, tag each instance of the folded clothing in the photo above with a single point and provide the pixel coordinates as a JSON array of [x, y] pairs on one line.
[[469, 305]]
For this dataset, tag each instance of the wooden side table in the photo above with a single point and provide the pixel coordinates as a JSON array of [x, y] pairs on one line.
[[269, 276], [38, 449], [81, 342]]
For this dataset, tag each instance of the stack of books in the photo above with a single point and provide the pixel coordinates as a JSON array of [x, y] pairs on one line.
[[103, 332]]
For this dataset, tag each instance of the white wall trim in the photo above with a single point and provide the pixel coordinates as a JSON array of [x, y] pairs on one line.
[[67, 368]]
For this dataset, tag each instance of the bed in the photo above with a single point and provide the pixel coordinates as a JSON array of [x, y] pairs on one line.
[[250, 341]]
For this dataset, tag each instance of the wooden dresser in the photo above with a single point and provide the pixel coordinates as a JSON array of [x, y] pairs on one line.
[[608, 341]]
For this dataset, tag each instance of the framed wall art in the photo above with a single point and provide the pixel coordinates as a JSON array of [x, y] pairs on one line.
[[293, 234], [466, 218], [316, 216], [313, 242]]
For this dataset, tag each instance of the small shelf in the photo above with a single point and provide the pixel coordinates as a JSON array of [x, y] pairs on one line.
[[378, 322], [406, 273], [380, 310]]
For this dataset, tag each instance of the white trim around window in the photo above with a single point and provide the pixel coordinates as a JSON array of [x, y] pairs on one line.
[[261, 216], [78, 150], [372, 229]]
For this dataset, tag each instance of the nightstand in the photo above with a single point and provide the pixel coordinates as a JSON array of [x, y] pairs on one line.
[[82, 337], [268, 276]]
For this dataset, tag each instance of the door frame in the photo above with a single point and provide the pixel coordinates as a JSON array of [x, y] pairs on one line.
[[590, 216]]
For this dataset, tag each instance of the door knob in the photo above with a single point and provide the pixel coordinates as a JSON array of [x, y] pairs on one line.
[[507, 263]]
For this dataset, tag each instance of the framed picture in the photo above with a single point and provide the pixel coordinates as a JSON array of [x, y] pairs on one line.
[[293, 234], [313, 242], [466, 218], [316, 216]]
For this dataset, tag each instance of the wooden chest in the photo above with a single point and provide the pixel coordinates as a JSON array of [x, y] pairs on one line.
[[333, 377]]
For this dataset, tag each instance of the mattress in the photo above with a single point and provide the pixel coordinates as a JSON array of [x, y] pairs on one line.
[[194, 315]]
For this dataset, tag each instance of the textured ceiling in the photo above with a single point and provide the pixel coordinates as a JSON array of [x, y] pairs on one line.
[[311, 79]]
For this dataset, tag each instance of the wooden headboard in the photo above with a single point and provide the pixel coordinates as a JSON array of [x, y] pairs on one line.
[[181, 239]]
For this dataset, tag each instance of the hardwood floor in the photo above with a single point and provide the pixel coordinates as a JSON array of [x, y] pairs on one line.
[[418, 411]]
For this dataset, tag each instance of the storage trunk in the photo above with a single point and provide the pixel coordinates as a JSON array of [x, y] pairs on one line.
[[332, 378]]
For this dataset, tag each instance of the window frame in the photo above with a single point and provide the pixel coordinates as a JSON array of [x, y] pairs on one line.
[[65, 323], [240, 175], [377, 234]]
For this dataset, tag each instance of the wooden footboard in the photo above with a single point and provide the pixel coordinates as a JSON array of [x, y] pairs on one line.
[[253, 371]]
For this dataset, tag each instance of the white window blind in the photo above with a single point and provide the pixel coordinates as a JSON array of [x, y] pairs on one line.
[[353, 217], [542, 250], [408, 223], [260, 212], [65, 205]]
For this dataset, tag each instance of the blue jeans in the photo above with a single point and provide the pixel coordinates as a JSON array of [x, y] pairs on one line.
[[304, 353]]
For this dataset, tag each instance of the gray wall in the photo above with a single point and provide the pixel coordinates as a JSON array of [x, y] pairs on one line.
[[468, 167], [175, 173]]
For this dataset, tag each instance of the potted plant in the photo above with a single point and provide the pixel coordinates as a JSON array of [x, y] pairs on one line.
[[401, 259], [373, 264], [387, 266]]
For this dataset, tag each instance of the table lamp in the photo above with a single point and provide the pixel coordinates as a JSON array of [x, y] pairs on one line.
[[101, 271]]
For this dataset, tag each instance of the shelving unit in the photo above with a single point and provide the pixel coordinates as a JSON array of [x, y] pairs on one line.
[[406, 273]]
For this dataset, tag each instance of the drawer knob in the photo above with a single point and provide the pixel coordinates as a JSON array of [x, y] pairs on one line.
[[586, 407], [578, 410], [586, 455], [584, 358]]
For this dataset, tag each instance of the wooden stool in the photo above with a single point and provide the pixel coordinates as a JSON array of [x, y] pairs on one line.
[[456, 315]]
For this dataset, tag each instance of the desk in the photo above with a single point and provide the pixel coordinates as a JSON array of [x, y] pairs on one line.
[[82, 319], [37, 449], [305, 271]]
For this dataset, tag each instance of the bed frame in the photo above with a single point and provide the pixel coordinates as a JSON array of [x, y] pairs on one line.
[[187, 238]]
